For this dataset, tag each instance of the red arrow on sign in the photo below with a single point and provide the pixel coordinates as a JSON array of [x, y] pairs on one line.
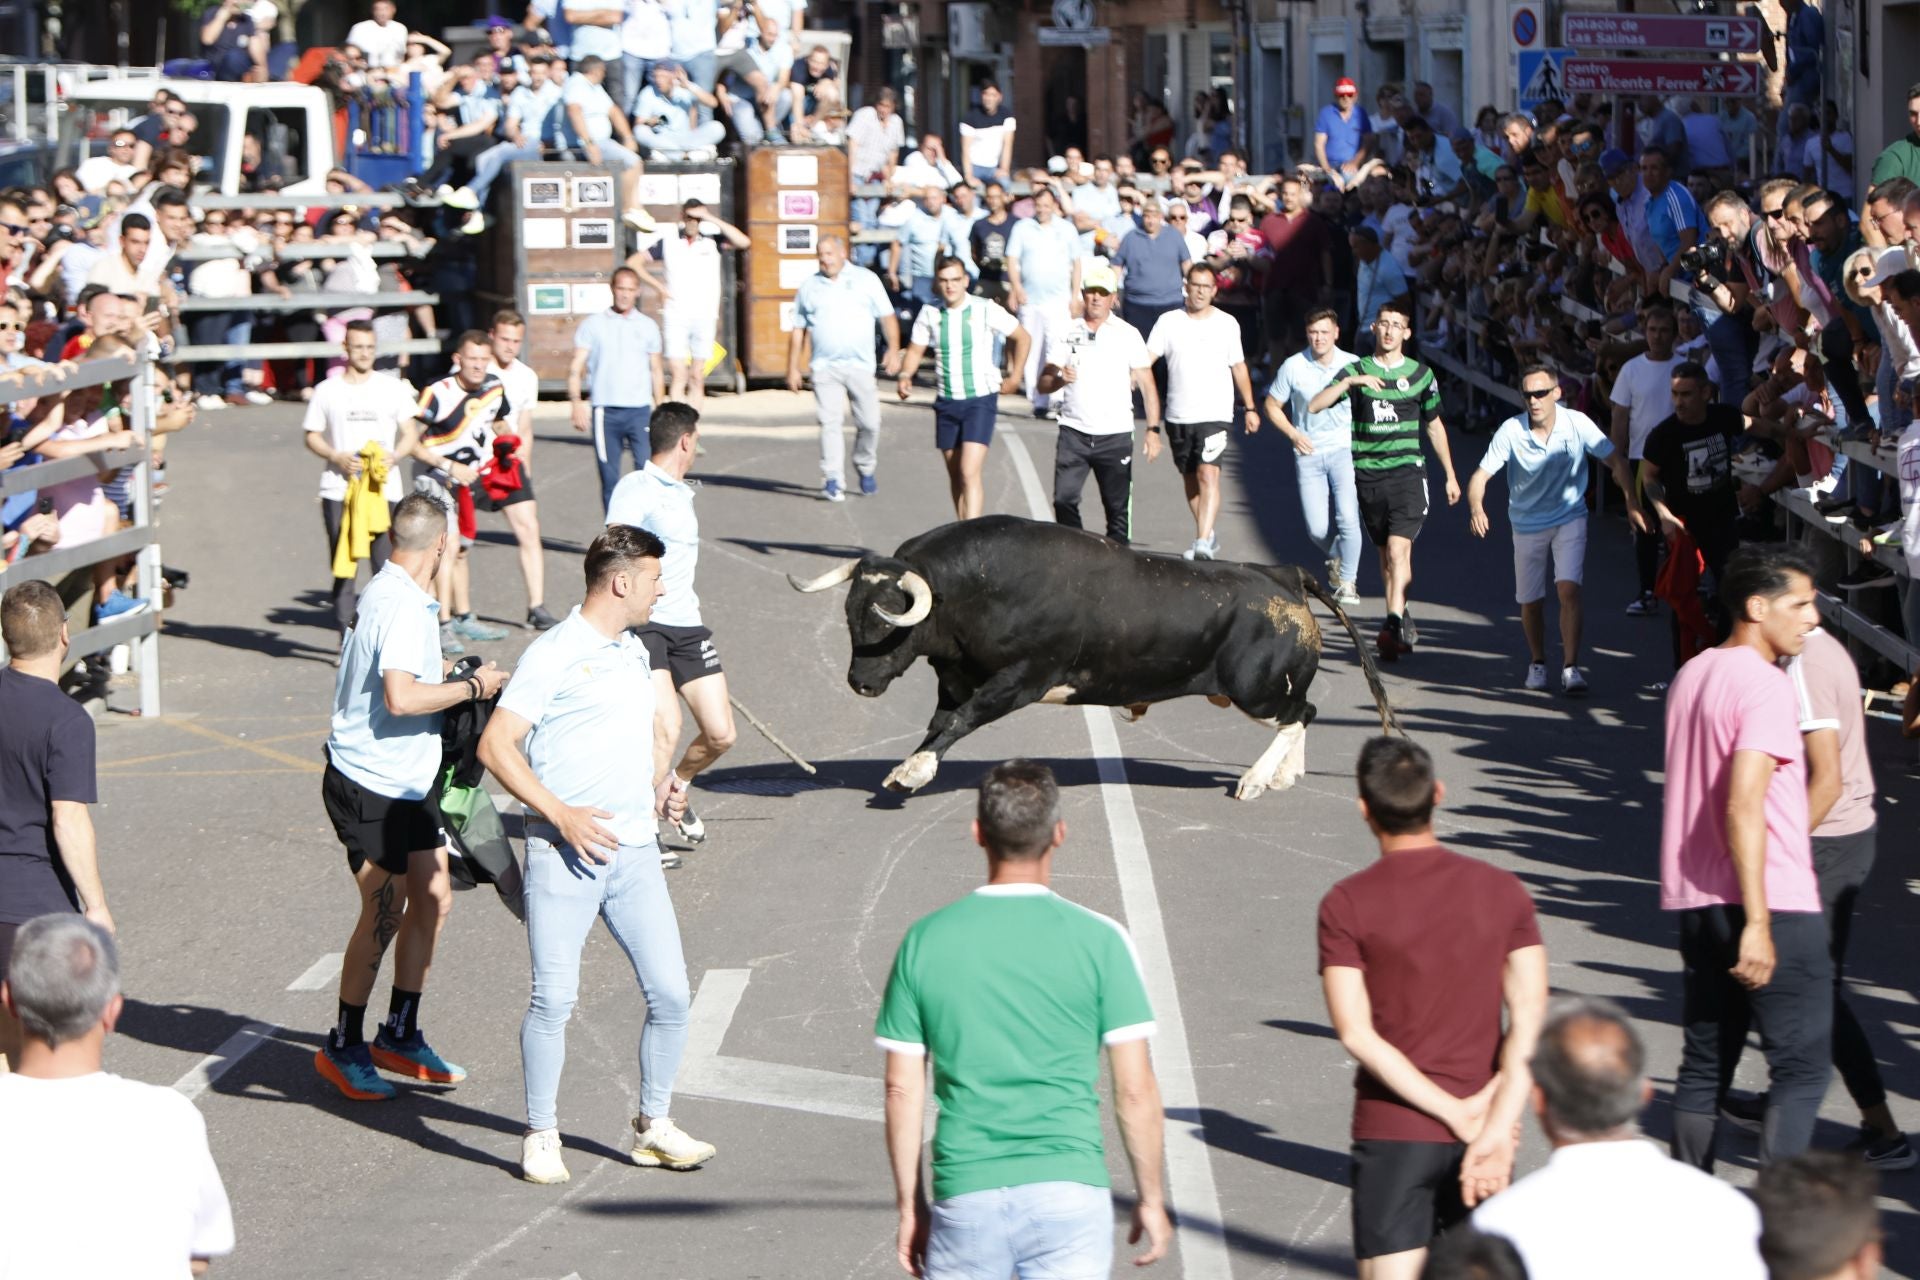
[[1700, 79]]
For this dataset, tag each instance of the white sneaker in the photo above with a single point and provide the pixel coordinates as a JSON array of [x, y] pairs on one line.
[[540, 1158], [210, 403], [457, 198], [1536, 675], [662, 1145], [255, 395], [1333, 574], [640, 220], [1573, 682], [1347, 597], [476, 223]]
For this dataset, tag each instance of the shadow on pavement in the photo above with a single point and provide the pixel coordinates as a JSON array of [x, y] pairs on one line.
[[837, 551], [964, 775], [253, 639], [1225, 1131]]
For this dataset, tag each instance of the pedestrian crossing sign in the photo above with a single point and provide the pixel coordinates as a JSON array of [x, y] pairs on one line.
[[1540, 76]]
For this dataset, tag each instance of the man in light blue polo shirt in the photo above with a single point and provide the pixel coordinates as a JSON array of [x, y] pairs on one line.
[[1544, 452], [836, 309], [928, 235], [1043, 283], [616, 378], [1323, 445], [383, 755], [582, 704]]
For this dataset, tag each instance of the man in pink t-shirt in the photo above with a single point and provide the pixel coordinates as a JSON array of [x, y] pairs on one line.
[[1735, 862]]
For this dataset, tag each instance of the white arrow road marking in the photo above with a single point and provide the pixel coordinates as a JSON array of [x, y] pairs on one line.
[[209, 1069], [707, 1073]]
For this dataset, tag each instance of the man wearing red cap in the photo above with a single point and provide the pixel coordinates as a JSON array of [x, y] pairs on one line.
[[1343, 136]]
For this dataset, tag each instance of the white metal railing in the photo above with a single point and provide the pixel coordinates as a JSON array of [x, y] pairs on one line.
[[54, 79]]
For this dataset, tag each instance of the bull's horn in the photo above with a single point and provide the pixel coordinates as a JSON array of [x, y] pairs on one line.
[[919, 592], [831, 578]]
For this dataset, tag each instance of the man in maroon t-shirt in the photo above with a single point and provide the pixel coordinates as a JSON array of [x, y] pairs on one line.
[[1301, 275], [1418, 953]]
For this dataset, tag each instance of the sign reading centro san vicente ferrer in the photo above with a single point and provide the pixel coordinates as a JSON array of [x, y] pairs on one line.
[[1697, 79]]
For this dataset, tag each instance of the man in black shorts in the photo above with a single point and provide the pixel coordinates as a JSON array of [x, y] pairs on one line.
[[1439, 1092], [48, 861], [383, 758], [1393, 397], [679, 646]]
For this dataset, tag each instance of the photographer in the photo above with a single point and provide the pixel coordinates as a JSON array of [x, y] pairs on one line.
[[1720, 270]]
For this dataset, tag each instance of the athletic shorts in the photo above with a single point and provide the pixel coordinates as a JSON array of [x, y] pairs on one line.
[[1192, 443], [1404, 1194], [957, 422], [376, 828], [685, 653], [1393, 505], [485, 502], [687, 333], [1567, 543]]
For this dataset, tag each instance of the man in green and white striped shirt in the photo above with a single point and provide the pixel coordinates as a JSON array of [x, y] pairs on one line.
[[964, 332]]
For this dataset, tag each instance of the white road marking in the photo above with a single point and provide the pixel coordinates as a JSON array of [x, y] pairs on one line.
[[209, 1069], [574, 1191], [707, 1073], [321, 975], [1196, 1201]]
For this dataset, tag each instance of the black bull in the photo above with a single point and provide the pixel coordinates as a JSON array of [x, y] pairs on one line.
[[1010, 612]]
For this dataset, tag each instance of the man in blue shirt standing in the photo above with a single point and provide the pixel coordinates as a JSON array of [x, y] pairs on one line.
[[616, 378], [1323, 443], [1544, 453], [582, 707], [925, 237], [1674, 221], [1343, 136], [383, 758], [836, 310]]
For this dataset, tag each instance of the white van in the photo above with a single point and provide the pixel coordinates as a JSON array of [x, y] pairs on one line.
[[293, 122]]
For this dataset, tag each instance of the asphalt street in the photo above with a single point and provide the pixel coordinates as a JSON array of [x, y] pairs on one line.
[[234, 901]]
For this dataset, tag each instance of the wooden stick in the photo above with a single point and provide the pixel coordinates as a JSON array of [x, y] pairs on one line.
[[769, 734]]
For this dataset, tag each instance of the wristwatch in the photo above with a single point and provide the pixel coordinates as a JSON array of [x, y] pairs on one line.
[[1154, 427]]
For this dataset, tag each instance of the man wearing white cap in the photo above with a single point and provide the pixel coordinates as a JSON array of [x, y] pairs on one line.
[[1091, 368]]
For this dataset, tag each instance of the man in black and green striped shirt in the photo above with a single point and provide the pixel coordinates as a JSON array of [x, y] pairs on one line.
[[1394, 397]]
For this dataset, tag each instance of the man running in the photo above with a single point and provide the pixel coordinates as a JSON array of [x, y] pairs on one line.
[[962, 332], [616, 378], [382, 758], [584, 694], [835, 312], [1206, 370], [1544, 452], [354, 416], [1323, 445], [1393, 396], [1093, 365], [523, 516], [679, 646], [690, 296], [460, 416]]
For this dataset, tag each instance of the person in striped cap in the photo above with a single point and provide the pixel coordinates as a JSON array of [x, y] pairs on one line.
[[966, 334]]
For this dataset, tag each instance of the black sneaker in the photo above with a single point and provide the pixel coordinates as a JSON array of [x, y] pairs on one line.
[[540, 620], [1744, 1111], [1644, 605], [1884, 1151], [1831, 504], [1869, 575]]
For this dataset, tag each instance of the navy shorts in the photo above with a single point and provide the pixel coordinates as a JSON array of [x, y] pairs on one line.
[[957, 422]]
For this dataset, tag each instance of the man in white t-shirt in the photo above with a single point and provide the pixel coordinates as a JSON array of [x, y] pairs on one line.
[[1206, 369], [1642, 400], [105, 1176], [382, 39], [347, 414], [508, 332], [1091, 367], [690, 296], [115, 165]]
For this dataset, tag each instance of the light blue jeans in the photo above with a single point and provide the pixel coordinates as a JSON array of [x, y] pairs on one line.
[[704, 70], [671, 144], [1040, 1231], [636, 73], [746, 116], [491, 163], [1323, 474], [564, 894]]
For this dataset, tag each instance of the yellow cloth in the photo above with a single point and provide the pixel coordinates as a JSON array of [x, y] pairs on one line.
[[364, 515]]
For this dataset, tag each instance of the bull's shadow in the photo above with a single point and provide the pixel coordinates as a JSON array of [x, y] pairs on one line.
[[965, 775]]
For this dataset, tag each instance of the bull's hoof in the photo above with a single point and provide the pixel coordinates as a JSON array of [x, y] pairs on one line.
[[913, 773], [1134, 712], [1252, 787], [1249, 790]]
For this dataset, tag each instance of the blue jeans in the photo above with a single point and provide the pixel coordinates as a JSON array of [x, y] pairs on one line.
[[704, 70], [492, 162], [746, 116], [1039, 1231], [1730, 340], [215, 328], [564, 894], [671, 144], [983, 173], [1323, 474], [616, 427], [636, 73]]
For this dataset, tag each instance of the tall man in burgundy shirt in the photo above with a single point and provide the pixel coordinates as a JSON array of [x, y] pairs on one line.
[[1418, 954], [1737, 866], [1300, 278]]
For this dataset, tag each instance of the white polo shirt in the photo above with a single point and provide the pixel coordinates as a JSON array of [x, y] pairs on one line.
[[651, 499], [396, 629], [1603, 1210], [523, 389], [589, 698], [1200, 352], [1099, 401]]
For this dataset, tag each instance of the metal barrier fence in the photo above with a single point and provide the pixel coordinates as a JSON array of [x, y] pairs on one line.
[[140, 631]]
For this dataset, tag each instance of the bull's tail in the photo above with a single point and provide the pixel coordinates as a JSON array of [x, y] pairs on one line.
[[1389, 722]]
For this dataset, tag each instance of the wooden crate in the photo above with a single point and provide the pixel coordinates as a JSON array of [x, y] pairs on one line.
[[794, 196]]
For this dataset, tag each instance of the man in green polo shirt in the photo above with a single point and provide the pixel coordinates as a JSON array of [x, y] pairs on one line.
[[1394, 397], [1012, 991], [1901, 159]]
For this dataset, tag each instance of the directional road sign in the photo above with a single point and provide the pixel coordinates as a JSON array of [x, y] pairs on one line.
[[1613, 31], [1694, 79]]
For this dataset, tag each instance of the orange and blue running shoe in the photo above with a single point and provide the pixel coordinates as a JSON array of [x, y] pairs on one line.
[[350, 1070], [414, 1059]]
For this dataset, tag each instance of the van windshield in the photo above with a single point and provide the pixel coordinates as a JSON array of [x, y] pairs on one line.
[[86, 126]]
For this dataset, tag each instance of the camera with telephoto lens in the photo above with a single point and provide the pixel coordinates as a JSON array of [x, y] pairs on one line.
[[1702, 259]]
